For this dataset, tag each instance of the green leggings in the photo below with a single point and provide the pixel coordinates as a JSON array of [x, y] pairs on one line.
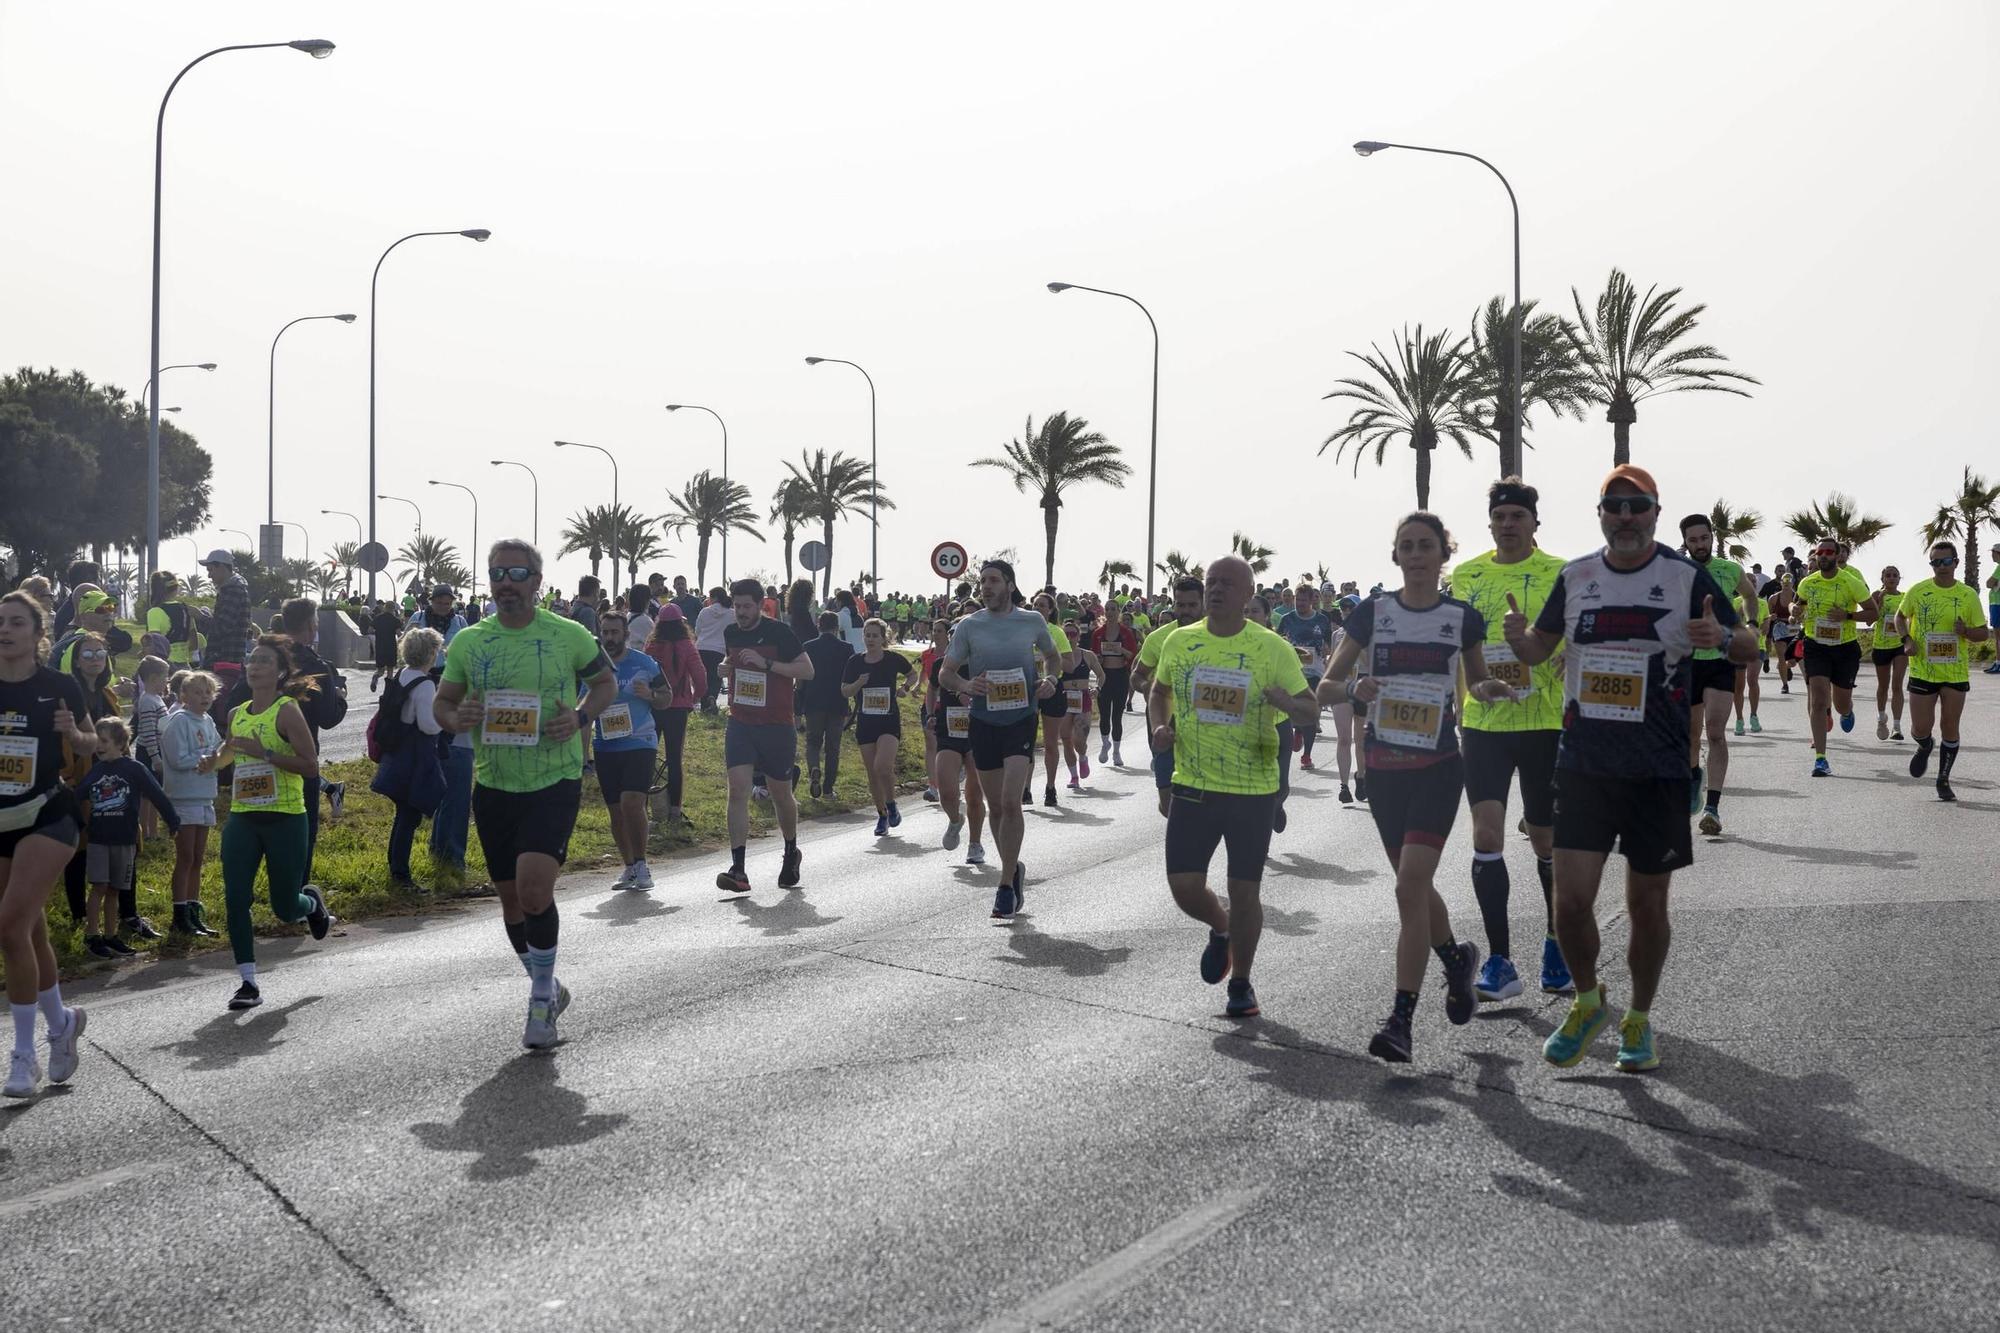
[[277, 841]]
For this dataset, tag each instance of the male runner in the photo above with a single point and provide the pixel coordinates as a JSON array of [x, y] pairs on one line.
[[1632, 612], [1993, 602], [626, 738], [1715, 680], [1310, 631], [764, 662], [1218, 685], [1830, 600], [1502, 739], [509, 680], [1188, 596], [1936, 617]]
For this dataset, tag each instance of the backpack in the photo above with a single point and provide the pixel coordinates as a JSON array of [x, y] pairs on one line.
[[387, 732]]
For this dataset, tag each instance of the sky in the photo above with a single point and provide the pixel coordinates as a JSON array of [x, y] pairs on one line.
[[688, 199]]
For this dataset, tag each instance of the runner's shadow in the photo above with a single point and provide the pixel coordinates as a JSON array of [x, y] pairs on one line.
[[1831, 856], [790, 915], [519, 1112], [1296, 865], [627, 907], [234, 1036], [1069, 814], [1074, 957], [1098, 794], [898, 847], [1282, 1059], [1776, 793], [164, 970], [1278, 921]]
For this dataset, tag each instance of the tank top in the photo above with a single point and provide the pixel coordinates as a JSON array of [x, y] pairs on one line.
[[257, 785]]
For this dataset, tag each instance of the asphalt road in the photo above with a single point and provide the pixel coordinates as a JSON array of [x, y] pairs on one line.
[[864, 1106]]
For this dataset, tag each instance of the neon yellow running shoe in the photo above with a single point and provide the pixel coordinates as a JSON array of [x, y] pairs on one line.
[[1580, 1026], [1635, 1045]]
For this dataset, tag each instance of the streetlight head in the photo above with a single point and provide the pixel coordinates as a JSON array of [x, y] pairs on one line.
[[814, 360], [1368, 147], [170, 409], [433, 483], [675, 407], [345, 319], [563, 444], [319, 48], [206, 365], [476, 233], [1060, 286]]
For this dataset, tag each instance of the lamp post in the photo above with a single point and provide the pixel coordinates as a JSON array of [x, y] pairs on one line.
[[145, 395], [470, 233], [477, 555], [248, 544], [697, 407], [508, 462], [572, 444], [319, 49], [358, 538], [874, 481], [271, 422], [412, 504], [1153, 452], [304, 536], [1368, 148]]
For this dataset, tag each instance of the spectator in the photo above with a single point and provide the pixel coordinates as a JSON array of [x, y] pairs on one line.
[[149, 711], [387, 627], [411, 773], [440, 613], [851, 616], [708, 630], [81, 574], [97, 614], [112, 791], [172, 620], [230, 642], [191, 751], [639, 613], [673, 649], [688, 602], [822, 705]]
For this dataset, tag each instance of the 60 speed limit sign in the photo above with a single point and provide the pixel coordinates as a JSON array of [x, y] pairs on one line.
[[948, 560]]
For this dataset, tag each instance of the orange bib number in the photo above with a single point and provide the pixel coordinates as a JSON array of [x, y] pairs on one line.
[[1611, 685], [748, 688], [256, 783], [875, 700], [1007, 689], [18, 755], [1221, 695], [513, 717], [1409, 711]]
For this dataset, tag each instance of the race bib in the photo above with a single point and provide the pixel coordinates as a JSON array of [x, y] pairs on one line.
[[256, 783], [1509, 670], [1826, 629], [1007, 689], [615, 722], [875, 700], [1611, 684], [1075, 696], [748, 688], [18, 755], [513, 717], [1409, 711], [958, 723], [1941, 647], [1221, 695]]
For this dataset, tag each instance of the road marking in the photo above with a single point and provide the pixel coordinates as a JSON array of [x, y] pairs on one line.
[[71, 1189], [1108, 1277]]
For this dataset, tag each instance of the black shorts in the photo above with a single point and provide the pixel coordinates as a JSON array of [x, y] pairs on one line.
[[1933, 686], [57, 819], [1416, 805], [941, 729], [512, 823], [1884, 656], [771, 748], [872, 727], [1492, 758], [1838, 662], [1197, 820], [624, 772], [994, 743], [1055, 706], [1645, 818], [1711, 673]]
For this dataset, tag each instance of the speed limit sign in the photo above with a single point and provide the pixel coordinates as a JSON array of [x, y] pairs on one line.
[[948, 560]]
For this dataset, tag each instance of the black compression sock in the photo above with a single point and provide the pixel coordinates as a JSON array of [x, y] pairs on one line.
[[1406, 1004], [791, 845], [1447, 953], [1947, 756], [1490, 887], [517, 935], [736, 859], [541, 928], [1714, 799]]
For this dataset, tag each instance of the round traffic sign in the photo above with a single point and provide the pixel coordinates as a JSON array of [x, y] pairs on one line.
[[373, 557], [948, 560], [813, 556]]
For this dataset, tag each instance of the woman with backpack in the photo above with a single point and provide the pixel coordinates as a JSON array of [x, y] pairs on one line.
[[171, 632], [404, 738]]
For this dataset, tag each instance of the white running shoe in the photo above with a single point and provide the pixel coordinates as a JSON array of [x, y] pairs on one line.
[[62, 1050], [1881, 726], [642, 877], [24, 1077], [951, 832], [1103, 750], [540, 1033], [760, 793], [975, 855]]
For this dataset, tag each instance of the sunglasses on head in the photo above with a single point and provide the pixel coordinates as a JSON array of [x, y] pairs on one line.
[[1626, 504], [511, 573]]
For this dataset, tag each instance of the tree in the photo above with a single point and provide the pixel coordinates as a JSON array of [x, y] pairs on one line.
[[1424, 394], [1113, 571], [347, 559], [1257, 557], [1061, 454], [590, 529], [1959, 518], [1731, 526], [834, 486], [432, 560], [43, 505], [1629, 350], [1552, 374], [708, 505], [791, 509], [1173, 566], [327, 580], [1840, 519], [638, 545]]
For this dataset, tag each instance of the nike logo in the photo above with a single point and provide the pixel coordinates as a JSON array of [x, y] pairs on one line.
[[49, 700]]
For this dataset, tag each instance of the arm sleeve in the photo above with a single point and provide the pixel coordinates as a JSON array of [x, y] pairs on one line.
[[1551, 620]]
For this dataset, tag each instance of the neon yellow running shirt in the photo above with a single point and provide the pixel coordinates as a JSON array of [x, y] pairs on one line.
[[1885, 635], [1937, 653], [1820, 598], [1484, 584], [1225, 731]]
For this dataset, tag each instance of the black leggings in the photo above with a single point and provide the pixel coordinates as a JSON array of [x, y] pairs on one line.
[[673, 727], [1111, 698]]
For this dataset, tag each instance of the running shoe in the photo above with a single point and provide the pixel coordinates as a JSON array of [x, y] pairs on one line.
[[1993, 670], [1361, 789], [1822, 769], [1084, 760], [198, 916], [1882, 726], [120, 947], [1756, 727], [733, 881], [95, 946], [1696, 785], [247, 996], [1005, 904], [562, 998], [1784, 687], [1392, 1042], [788, 872], [930, 793], [1497, 980], [1346, 796], [1556, 979], [336, 799], [1711, 822], [1075, 783], [882, 826], [1104, 750], [139, 928], [624, 880], [951, 833], [1635, 1045], [1896, 734], [24, 1076], [1847, 721], [1739, 726], [642, 877], [813, 790], [1242, 1000], [1921, 760], [1117, 759], [1215, 958], [1459, 1001], [1049, 794], [318, 919], [760, 793], [62, 1050], [975, 854], [1306, 762], [1580, 1026], [1944, 791], [540, 1031]]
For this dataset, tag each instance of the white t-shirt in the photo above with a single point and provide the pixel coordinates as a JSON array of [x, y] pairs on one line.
[[417, 704]]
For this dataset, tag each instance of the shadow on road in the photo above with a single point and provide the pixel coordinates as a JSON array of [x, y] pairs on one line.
[[1075, 958], [1278, 921], [1832, 856], [627, 907], [788, 916], [235, 1035], [1297, 865], [519, 1112]]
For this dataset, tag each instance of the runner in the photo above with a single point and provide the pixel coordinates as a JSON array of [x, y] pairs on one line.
[[1219, 685], [1892, 664], [41, 711], [994, 656], [1081, 684], [1310, 630], [1350, 749], [509, 680], [625, 736], [1714, 680], [1937, 616], [1054, 709], [1830, 600], [1784, 630], [1993, 602], [1188, 598], [1516, 736], [1750, 681], [1115, 644], [1632, 614], [1417, 640], [951, 721], [764, 662], [874, 676]]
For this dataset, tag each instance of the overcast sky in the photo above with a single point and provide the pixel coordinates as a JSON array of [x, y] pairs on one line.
[[686, 200]]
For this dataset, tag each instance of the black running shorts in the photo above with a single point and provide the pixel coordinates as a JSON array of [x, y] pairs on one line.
[[621, 772], [1197, 820], [994, 743], [1645, 818], [1492, 758], [1930, 687], [1711, 673], [1884, 656], [513, 823], [1838, 662], [1416, 805]]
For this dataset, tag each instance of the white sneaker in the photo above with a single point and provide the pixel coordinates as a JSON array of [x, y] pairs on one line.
[[1881, 726], [1103, 750], [1117, 759], [24, 1077], [624, 880], [642, 877], [62, 1050], [540, 1033], [975, 855], [760, 793], [951, 833]]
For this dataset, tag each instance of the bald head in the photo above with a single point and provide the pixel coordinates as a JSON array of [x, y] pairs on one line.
[[1228, 589]]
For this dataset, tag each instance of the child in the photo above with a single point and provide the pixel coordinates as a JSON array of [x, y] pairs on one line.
[[149, 710], [191, 749], [111, 792]]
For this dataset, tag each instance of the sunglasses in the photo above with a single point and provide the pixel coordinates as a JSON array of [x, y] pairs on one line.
[[1945, 562], [90, 653], [1626, 504], [511, 573]]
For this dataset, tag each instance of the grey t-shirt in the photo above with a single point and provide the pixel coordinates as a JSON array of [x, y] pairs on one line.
[[984, 643]]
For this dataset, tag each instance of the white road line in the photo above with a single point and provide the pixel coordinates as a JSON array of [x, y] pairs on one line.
[[70, 1189], [1106, 1278]]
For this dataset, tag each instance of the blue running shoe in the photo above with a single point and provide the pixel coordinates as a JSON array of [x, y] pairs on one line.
[[1635, 1045], [1567, 1044], [1822, 769], [1556, 979], [1242, 1000], [1459, 1001], [895, 815], [1005, 903], [1497, 980], [1847, 721], [881, 826], [1215, 958]]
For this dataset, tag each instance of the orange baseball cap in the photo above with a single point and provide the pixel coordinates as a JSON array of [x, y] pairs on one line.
[[1637, 476]]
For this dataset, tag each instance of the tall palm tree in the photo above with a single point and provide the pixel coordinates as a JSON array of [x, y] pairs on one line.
[[1061, 454], [1958, 521], [1422, 394], [835, 485], [1731, 526], [1257, 557], [431, 560], [637, 545], [593, 528], [1630, 351], [347, 559], [708, 505], [1552, 374], [1114, 570], [1839, 518], [791, 509], [1173, 566]]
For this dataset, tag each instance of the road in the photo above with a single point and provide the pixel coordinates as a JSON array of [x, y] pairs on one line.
[[864, 1106]]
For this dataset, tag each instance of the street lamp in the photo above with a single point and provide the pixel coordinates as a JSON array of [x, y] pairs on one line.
[[145, 391], [319, 49], [697, 407], [413, 505], [305, 536], [1153, 455], [271, 426], [344, 514], [248, 544], [874, 482], [497, 462], [572, 444], [478, 556], [1370, 147], [470, 233]]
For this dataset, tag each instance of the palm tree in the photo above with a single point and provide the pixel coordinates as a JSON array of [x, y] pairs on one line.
[[1629, 351], [1062, 453], [637, 545], [347, 558], [1424, 394], [833, 486], [1552, 374], [594, 527], [1731, 526], [197, 585], [1113, 571], [432, 560], [1257, 557], [1839, 518], [327, 579], [707, 505], [791, 509], [1958, 520], [1174, 566]]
